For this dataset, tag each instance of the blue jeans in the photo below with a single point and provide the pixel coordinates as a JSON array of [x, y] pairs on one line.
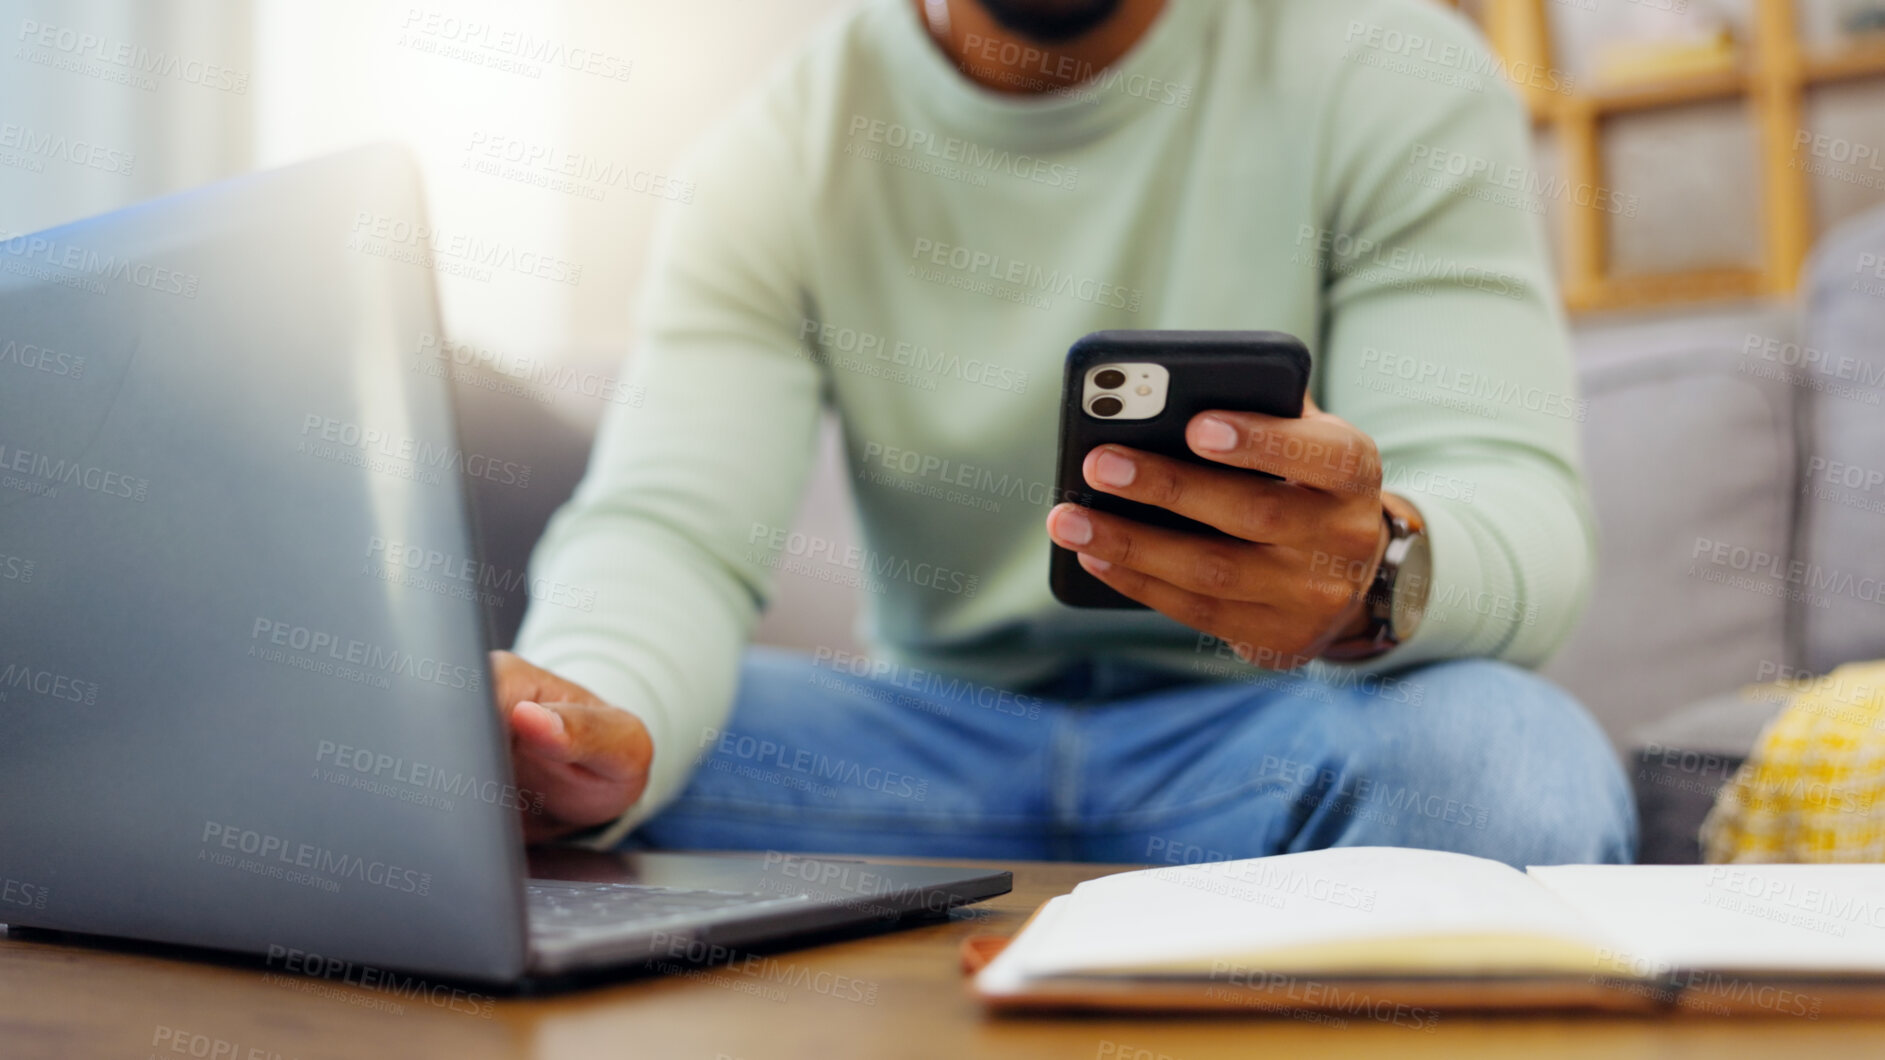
[[1115, 763]]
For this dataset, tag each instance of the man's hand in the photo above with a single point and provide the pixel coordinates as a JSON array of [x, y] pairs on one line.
[[1303, 551], [588, 760]]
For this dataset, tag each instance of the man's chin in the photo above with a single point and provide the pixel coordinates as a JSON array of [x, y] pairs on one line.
[[1050, 22]]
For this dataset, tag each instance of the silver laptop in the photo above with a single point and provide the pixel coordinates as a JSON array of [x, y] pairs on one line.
[[227, 718]]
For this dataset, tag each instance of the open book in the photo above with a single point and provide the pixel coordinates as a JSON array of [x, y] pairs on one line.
[[1410, 931]]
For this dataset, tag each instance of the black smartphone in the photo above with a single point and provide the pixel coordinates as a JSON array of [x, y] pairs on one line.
[[1139, 389]]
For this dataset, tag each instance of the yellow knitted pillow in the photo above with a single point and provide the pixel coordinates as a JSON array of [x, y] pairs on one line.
[[1814, 787]]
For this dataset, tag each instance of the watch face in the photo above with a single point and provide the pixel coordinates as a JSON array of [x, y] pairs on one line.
[[1411, 585]]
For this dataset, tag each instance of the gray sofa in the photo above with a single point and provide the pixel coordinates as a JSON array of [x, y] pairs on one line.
[[1737, 463], [1718, 449]]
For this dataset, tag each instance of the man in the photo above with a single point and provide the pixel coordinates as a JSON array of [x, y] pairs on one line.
[[910, 224]]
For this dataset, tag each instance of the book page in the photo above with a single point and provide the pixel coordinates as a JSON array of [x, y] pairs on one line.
[[1758, 918], [1008, 973], [1346, 910]]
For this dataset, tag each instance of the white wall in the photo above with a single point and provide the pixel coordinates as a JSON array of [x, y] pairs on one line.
[[81, 134], [322, 76], [343, 72]]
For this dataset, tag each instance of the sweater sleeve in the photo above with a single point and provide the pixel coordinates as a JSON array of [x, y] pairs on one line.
[[671, 523], [1443, 340]]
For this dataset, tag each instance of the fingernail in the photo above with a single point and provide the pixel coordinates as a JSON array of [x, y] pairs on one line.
[[556, 720], [1111, 469], [1072, 527], [1094, 564], [1214, 434]]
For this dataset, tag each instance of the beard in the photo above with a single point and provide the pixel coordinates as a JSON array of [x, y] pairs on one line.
[[1051, 22]]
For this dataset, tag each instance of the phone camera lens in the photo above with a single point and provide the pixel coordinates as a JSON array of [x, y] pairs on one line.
[[1107, 406], [1109, 379]]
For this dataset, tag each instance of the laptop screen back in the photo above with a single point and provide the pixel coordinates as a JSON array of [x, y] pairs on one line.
[[244, 701]]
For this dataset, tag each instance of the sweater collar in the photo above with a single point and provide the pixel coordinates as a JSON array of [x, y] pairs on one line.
[[1158, 71]]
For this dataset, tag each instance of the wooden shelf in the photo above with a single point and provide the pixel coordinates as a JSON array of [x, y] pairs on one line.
[[1771, 79], [1861, 60], [1642, 292], [1649, 95]]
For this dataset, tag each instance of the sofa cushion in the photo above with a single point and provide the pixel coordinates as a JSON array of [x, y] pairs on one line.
[[1690, 459], [1842, 506], [1682, 762], [504, 422]]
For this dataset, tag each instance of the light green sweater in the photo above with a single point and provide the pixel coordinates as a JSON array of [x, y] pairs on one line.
[[875, 234]]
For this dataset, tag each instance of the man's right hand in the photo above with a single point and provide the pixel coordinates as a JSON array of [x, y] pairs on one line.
[[586, 759]]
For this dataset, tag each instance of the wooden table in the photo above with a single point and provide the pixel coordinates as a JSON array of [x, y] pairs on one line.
[[892, 995]]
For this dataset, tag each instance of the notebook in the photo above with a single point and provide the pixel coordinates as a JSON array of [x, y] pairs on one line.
[[1384, 929]]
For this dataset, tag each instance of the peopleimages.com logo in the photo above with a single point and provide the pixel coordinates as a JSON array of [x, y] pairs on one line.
[[457, 253], [369, 770], [77, 50], [83, 267], [44, 475], [34, 145], [319, 646], [505, 48], [46, 684], [327, 437], [270, 854], [19, 893], [40, 359]]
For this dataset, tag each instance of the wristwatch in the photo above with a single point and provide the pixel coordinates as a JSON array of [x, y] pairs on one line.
[[1397, 599]]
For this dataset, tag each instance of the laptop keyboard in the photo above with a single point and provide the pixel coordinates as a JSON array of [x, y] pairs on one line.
[[561, 907]]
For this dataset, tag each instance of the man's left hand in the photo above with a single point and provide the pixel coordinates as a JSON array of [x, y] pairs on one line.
[[1302, 552]]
